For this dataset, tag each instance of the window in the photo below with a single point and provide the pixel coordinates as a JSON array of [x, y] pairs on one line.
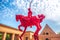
[[26, 38], [46, 33], [47, 39]]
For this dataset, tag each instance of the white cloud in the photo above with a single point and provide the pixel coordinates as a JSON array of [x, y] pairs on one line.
[[51, 8], [53, 11]]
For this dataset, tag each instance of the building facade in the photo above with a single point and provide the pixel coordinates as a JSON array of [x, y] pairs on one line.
[[9, 33], [49, 34]]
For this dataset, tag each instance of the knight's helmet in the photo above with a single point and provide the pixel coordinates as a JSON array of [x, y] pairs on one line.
[[29, 9]]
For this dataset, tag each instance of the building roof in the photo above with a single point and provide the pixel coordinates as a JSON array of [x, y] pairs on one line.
[[48, 29], [3, 25]]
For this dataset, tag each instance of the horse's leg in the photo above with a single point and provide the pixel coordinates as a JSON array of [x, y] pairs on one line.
[[19, 27], [20, 38], [36, 32], [35, 37], [23, 33], [19, 30]]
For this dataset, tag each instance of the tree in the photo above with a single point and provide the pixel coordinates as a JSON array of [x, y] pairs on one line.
[[0, 36], [59, 33]]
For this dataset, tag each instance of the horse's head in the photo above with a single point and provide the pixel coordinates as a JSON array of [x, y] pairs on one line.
[[17, 17], [41, 16]]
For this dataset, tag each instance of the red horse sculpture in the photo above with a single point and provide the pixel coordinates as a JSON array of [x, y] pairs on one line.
[[30, 20]]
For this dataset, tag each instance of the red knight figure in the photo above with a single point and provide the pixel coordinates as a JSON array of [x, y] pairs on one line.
[[30, 20], [29, 12]]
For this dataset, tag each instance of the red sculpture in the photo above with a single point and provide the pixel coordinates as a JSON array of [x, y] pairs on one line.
[[30, 20]]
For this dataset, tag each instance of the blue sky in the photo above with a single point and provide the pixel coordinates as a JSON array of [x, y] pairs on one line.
[[50, 8]]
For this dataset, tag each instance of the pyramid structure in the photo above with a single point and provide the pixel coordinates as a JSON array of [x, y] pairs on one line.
[[47, 31]]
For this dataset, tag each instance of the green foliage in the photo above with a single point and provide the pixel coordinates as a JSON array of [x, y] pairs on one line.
[[8, 37], [0, 36], [59, 33]]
